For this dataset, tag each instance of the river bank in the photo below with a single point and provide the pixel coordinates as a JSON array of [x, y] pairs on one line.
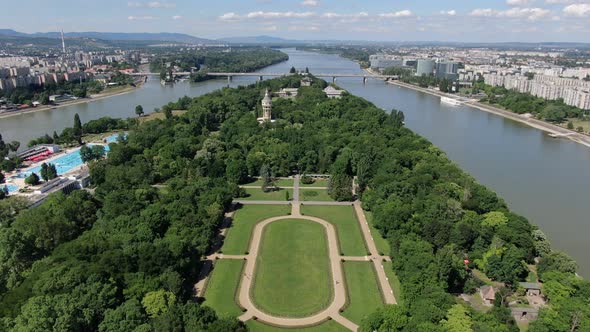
[[90, 99], [552, 129]]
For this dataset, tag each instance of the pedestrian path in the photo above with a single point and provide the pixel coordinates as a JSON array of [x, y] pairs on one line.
[[339, 301]]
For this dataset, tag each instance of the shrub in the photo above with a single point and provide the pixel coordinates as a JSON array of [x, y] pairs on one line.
[[307, 179]]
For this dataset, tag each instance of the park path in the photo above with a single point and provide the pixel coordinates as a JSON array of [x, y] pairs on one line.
[[339, 287], [199, 287], [338, 302], [377, 259]]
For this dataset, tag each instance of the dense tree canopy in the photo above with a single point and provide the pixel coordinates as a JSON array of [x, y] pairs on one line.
[[127, 257]]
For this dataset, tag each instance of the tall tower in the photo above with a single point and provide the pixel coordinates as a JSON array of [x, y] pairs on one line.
[[63, 42], [266, 107]]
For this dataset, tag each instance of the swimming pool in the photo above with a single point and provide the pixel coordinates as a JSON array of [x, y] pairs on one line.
[[114, 138], [11, 187], [63, 164]]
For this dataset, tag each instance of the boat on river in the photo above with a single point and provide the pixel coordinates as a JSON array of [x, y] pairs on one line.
[[450, 101]]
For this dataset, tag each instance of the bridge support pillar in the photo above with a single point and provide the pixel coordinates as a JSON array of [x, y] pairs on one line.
[[333, 79], [260, 78], [229, 79], [364, 79]]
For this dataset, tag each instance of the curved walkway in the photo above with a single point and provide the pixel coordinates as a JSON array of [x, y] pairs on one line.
[[338, 302], [340, 293]]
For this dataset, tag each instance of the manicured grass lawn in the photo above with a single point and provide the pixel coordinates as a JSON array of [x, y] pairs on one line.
[[381, 243], [394, 282], [237, 238], [278, 183], [329, 326], [222, 286], [363, 291], [293, 269], [314, 195], [316, 183], [259, 195], [349, 233]]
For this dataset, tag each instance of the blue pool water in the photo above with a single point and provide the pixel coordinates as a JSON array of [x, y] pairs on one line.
[[11, 187], [113, 138], [62, 164]]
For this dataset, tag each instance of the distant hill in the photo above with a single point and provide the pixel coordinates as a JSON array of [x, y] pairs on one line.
[[257, 40], [121, 36]]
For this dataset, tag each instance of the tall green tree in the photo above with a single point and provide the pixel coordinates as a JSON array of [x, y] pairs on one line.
[[139, 110], [77, 131]]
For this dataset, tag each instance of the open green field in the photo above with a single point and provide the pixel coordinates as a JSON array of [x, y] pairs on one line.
[[396, 286], [363, 291], [292, 277], [255, 194], [220, 293], [237, 238], [381, 243], [316, 183], [329, 326], [314, 195], [349, 232], [278, 183], [578, 123]]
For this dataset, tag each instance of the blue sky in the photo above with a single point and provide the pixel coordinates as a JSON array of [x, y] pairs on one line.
[[388, 20]]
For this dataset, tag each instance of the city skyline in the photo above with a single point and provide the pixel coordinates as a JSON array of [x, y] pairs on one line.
[[460, 21]]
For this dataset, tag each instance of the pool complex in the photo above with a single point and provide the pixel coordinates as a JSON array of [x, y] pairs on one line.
[[63, 164], [114, 138], [11, 187]]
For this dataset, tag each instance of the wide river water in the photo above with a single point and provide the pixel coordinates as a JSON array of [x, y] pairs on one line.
[[542, 178]]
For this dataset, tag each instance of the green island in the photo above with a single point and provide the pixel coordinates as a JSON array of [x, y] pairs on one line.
[[126, 255], [238, 60]]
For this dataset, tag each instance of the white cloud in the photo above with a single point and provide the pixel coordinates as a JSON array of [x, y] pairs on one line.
[[152, 4], [566, 1], [141, 18], [451, 12], [401, 13], [519, 2], [310, 3], [516, 12], [578, 9], [229, 17], [177, 17], [261, 14], [349, 16], [303, 28]]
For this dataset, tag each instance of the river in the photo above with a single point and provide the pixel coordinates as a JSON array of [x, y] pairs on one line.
[[542, 178]]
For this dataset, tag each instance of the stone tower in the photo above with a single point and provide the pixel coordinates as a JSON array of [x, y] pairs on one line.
[[266, 107]]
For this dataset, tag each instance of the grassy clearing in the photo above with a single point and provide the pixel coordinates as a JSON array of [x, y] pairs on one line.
[[394, 282], [158, 115], [316, 183], [329, 326], [259, 195], [292, 276], [314, 195], [578, 123], [349, 233], [278, 183], [363, 291], [238, 235], [381, 243], [221, 288]]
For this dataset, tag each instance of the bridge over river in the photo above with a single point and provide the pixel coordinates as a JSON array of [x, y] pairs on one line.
[[260, 76]]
